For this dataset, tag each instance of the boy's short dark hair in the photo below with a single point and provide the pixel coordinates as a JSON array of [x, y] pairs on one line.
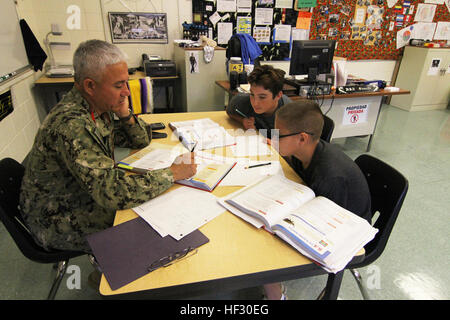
[[304, 115], [268, 77]]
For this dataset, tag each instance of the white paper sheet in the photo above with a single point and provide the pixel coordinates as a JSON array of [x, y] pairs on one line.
[[178, 213], [157, 159], [424, 30], [251, 145], [442, 31], [226, 5], [224, 32], [425, 12], [240, 175], [264, 16]]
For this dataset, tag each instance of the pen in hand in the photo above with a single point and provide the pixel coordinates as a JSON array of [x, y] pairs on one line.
[[193, 148]]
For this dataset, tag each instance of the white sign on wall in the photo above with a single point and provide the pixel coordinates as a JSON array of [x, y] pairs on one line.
[[355, 114]]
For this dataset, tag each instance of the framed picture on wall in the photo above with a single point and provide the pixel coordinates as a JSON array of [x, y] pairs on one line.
[[138, 27]]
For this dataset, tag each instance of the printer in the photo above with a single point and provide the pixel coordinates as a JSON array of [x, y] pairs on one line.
[[159, 68]]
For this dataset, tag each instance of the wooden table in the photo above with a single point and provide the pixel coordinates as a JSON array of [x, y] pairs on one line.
[[237, 256], [335, 106]]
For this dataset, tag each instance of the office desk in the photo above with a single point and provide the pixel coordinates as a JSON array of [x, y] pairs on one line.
[[237, 256], [53, 89], [337, 106]]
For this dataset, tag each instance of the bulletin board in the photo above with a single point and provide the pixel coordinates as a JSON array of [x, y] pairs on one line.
[[340, 20], [396, 18]]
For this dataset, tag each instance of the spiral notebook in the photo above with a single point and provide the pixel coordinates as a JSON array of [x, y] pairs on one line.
[[132, 249]]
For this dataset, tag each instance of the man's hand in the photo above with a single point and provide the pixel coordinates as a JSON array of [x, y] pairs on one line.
[[183, 166], [249, 123], [123, 109]]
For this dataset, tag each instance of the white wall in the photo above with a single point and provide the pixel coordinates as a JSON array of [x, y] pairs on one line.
[[94, 24], [18, 129]]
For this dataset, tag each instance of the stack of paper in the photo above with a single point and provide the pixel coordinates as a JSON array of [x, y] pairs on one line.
[[201, 134]]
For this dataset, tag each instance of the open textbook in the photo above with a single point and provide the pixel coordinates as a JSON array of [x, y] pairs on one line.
[[201, 134], [315, 226]]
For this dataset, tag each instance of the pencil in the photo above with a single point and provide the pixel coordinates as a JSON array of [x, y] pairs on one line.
[[123, 165], [241, 113], [258, 165]]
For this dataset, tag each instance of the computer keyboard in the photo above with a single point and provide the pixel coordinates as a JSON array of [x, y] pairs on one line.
[[356, 88]]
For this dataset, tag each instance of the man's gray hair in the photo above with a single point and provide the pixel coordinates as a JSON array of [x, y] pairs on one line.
[[92, 57]]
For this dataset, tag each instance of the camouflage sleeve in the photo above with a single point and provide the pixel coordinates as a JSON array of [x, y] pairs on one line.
[[133, 136], [110, 187]]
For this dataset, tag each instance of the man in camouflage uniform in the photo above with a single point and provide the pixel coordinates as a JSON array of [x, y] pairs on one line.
[[71, 187]]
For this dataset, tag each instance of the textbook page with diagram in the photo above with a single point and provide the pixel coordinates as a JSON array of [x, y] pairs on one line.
[[315, 226]]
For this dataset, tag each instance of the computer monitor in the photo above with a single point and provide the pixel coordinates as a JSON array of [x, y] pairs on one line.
[[311, 57]]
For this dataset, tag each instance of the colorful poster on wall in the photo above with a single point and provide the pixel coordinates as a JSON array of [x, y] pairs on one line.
[[244, 25], [306, 3], [261, 34], [304, 20], [404, 35]]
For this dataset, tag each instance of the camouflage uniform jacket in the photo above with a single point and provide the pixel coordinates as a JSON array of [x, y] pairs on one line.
[[71, 187]]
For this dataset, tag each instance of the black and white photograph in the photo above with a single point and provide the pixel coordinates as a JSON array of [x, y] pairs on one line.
[[138, 27]]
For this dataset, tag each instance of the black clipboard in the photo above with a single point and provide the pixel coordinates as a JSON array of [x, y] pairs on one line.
[[132, 249]]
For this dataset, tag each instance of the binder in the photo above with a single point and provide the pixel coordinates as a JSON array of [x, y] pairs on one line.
[[132, 249]]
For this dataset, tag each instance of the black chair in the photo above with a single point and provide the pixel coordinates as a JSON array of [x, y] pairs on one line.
[[388, 189], [328, 127], [11, 174]]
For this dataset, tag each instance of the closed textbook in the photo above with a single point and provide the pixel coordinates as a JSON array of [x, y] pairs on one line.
[[315, 226], [128, 251]]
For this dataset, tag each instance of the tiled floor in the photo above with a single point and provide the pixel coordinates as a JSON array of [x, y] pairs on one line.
[[413, 266]]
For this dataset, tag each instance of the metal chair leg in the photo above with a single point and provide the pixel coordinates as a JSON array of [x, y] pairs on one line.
[[60, 272], [361, 286], [321, 295]]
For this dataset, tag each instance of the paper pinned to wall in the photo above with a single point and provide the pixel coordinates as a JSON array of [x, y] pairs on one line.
[[224, 32], [442, 31], [424, 30], [391, 3], [433, 70], [403, 36], [264, 16], [284, 4], [226, 5], [425, 12]]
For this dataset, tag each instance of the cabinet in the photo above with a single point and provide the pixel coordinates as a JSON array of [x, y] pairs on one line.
[[430, 87], [198, 91]]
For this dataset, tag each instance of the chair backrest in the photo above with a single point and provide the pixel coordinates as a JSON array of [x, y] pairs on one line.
[[388, 189], [328, 127], [11, 175]]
